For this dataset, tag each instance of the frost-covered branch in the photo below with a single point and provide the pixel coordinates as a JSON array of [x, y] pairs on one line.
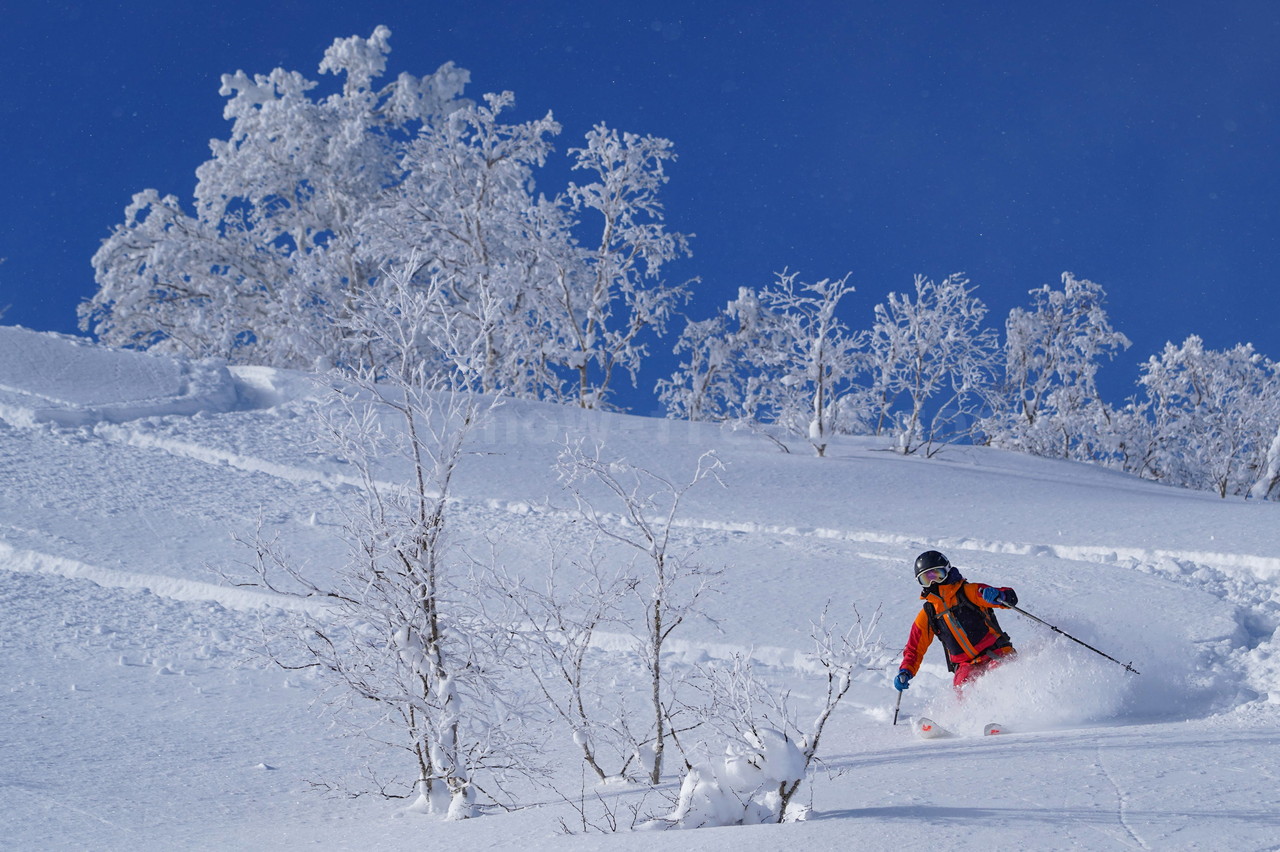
[[769, 753], [671, 590]]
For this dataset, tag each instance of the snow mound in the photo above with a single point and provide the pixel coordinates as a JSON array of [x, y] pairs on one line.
[[269, 387], [70, 381]]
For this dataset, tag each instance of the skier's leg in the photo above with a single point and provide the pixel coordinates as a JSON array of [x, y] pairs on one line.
[[966, 673]]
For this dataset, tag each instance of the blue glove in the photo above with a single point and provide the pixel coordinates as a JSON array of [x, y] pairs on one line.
[[999, 597], [903, 680]]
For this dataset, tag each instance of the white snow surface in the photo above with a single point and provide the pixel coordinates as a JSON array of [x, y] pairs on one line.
[[137, 714]]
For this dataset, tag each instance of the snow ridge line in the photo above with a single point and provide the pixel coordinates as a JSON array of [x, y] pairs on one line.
[[233, 598], [30, 561], [209, 455], [35, 562], [1264, 569]]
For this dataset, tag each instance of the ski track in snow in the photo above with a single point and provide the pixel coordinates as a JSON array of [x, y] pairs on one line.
[[177, 588], [1122, 801]]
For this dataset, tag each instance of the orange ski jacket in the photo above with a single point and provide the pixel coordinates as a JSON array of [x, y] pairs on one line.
[[965, 623]]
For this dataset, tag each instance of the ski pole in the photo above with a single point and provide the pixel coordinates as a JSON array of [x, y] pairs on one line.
[[1128, 666], [896, 707]]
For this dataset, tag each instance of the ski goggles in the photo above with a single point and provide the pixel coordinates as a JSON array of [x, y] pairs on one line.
[[929, 576]]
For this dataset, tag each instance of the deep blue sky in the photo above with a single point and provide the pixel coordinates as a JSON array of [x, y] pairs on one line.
[[1133, 143]]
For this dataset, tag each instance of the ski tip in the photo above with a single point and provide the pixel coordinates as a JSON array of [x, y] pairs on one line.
[[992, 729], [928, 729]]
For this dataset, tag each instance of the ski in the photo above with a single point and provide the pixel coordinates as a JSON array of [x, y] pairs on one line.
[[928, 729]]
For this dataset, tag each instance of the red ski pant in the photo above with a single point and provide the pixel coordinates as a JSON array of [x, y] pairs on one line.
[[969, 671]]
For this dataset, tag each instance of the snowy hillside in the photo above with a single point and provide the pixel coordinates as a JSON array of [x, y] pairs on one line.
[[138, 714]]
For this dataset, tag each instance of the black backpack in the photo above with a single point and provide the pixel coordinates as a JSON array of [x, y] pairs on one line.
[[967, 616]]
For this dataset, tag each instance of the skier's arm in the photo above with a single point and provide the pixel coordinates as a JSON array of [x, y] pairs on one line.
[[917, 643], [991, 597]]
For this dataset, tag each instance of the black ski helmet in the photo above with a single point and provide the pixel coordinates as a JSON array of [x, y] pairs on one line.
[[930, 559]]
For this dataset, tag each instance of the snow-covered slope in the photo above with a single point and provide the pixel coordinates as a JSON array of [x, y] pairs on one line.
[[137, 715]]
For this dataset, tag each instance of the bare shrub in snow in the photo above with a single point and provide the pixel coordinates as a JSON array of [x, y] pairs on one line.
[[768, 753], [560, 618], [667, 582], [403, 631]]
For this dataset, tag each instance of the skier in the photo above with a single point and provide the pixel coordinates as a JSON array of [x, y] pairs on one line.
[[962, 615]]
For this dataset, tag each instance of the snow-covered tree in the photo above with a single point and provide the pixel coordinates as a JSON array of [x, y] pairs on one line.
[[1213, 417], [465, 210], [274, 250], [780, 355], [560, 617], [724, 379], [930, 359], [710, 383], [1048, 402], [1269, 480], [618, 294], [299, 213], [811, 356]]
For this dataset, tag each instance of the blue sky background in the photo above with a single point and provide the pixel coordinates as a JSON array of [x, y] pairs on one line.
[[1133, 143]]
